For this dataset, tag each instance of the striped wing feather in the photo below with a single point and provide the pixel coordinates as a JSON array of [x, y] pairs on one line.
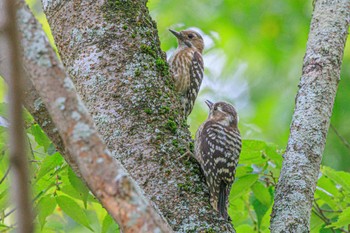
[[196, 76]]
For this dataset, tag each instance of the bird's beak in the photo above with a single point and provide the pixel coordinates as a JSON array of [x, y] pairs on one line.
[[209, 103], [177, 34]]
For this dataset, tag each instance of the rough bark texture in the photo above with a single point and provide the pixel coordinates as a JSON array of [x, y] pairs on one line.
[[111, 50], [105, 176], [311, 119], [20, 187], [32, 101]]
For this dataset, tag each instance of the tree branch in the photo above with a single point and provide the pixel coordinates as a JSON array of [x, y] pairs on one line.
[[18, 159], [112, 52], [311, 119], [106, 177], [32, 101]]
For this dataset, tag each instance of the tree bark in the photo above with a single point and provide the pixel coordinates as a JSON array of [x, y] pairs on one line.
[[112, 51], [32, 100], [104, 175], [20, 187], [311, 119]]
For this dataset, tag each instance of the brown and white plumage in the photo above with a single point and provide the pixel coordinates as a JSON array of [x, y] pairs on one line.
[[217, 149], [186, 65]]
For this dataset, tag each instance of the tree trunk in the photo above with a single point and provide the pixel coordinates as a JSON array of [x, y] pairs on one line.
[[311, 119], [112, 52], [104, 175]]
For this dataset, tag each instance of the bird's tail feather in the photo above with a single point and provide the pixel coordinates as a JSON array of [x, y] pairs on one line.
[[222, 202]]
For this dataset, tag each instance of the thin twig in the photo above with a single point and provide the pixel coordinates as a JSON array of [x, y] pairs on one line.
[[342, 139], [30, 147], [331, 211], [324, 218], [34, 199], [6, 173]]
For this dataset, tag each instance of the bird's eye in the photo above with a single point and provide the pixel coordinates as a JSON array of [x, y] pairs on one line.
[[215, 108], [190, 36]]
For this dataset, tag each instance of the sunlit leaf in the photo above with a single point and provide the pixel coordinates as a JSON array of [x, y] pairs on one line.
[[252, 152], [316, 223], [79, 186], [73, 210], [243, 170], [49, 164], [107, 222], [40, 136], [259, 208], [3, 199], [326, 185], [343, 220], [339, 177], [242, 185], [46, 206], [51, 149], [245, 229], [262, 193]]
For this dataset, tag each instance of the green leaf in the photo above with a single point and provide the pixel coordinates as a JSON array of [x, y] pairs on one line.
[[3, 138], [4, 199], [52, 149], [46, 206], [339, 177], [343, 220], [327, 199], [28, 119], [40, 136], [262, 193], [107, 222], [242, 185], [275, 155], [3, 227], [326, 185], [49, 164], [245, 229], [73, 210], [252, 152], [316, 223], [259, 208], [79, 186], [265, 221], [238, 210], [243, 171]]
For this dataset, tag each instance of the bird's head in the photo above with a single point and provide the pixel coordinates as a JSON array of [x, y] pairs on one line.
[[222, 112], [189, 38]]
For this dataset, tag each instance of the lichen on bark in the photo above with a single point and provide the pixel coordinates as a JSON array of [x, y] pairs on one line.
[[112, 51], [311, 119]]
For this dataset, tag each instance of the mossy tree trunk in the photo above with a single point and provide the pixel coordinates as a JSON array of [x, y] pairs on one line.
[[112, 52]]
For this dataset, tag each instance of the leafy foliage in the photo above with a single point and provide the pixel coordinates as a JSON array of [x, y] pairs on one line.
[[252, 194], [61, 200], [63, 203]]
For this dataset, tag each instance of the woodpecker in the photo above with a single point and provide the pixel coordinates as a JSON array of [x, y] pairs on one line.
[[186, 65], [217, 149]]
